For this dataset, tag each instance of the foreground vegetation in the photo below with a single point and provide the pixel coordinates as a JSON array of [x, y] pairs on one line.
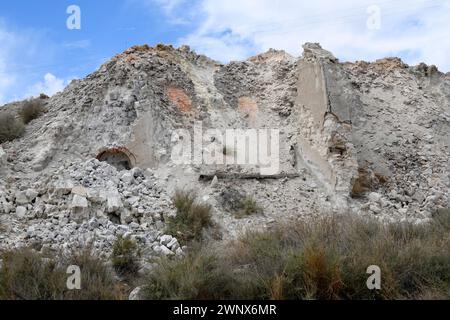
[[325, 259], [192, 217], [322, 259], [12, 127], [28, 275]]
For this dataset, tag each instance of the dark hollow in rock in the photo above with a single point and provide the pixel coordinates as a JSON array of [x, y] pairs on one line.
[[120, 158]]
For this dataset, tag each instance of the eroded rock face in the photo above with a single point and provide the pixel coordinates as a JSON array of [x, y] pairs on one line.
[[2, 157], [368, 138]]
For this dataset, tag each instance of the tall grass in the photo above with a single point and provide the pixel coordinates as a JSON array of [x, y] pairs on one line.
[[28, 275], [192, 217], [125, 257], [31, 110], [10, 127]]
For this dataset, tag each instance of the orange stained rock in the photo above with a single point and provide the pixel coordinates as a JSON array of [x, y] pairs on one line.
[[179, 98], [248, 107]]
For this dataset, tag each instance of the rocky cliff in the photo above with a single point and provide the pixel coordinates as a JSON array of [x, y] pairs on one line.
[[104, 160]]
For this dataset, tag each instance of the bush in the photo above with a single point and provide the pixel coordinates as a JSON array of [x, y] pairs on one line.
[[31, 109], [322, 259], [125, 257], [10, 127], [191, 219], [200, 275], [29, 275], [97, 279], [25, 275]]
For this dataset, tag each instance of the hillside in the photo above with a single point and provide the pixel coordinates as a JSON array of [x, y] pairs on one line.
[[370, 139]]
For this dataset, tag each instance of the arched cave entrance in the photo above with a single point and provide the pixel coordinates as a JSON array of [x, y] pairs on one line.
[[120, 158]]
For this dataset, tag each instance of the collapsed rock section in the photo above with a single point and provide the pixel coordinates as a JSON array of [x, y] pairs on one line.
[[324, 121], [90, 203]]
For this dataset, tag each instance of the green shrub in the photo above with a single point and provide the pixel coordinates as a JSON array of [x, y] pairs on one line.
[[248, 207], [10, 127], [97, 279], [200, 275], [125, 257], [322, 259], [29, 275], [191, 219], [31, 109], [25, 275]]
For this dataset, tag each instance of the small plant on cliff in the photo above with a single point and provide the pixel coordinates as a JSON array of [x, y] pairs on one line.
[[125, 257], [192, 217], [31, 109], [249, 207], [10, 127]]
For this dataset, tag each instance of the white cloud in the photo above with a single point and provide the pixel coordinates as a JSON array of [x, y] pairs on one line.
[[178, 12], [80, 44], [50, 85], [25, 54], [417, 30], [7, 79]]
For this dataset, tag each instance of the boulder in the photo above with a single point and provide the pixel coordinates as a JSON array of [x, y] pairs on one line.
[[173, 244], [375, 197], [79, 202], [79, 209], [135, 294], [79, 190], [126, 217], [21, 198], [127, 178], [31, 194], [165, 240], [114, 203], [21, 212], [166, 251], [62, 187]]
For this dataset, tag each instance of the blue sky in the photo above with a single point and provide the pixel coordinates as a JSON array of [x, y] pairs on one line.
[[38, 53]]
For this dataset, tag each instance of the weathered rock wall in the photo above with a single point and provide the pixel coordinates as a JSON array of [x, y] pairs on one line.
[[324, 120]]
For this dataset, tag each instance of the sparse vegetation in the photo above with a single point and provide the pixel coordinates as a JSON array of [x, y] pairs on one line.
[[191, 219], [325, 259], [238, 203], [248, 207], [10, 127], [31, 110], [28, 275], [125, 257], [97, 279], [200, 275]]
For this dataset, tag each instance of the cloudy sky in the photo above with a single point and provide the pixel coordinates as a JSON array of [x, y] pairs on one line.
[[39, 53]]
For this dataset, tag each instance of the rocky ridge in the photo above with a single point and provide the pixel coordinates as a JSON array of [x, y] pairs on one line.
[[379, 146]]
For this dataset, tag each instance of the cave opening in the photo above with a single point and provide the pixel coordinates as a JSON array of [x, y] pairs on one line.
[[120, 158]]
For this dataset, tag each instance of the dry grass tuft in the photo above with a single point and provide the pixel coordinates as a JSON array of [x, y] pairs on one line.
[[192, 217], [31, 110], [323, 259], [10, 127]]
